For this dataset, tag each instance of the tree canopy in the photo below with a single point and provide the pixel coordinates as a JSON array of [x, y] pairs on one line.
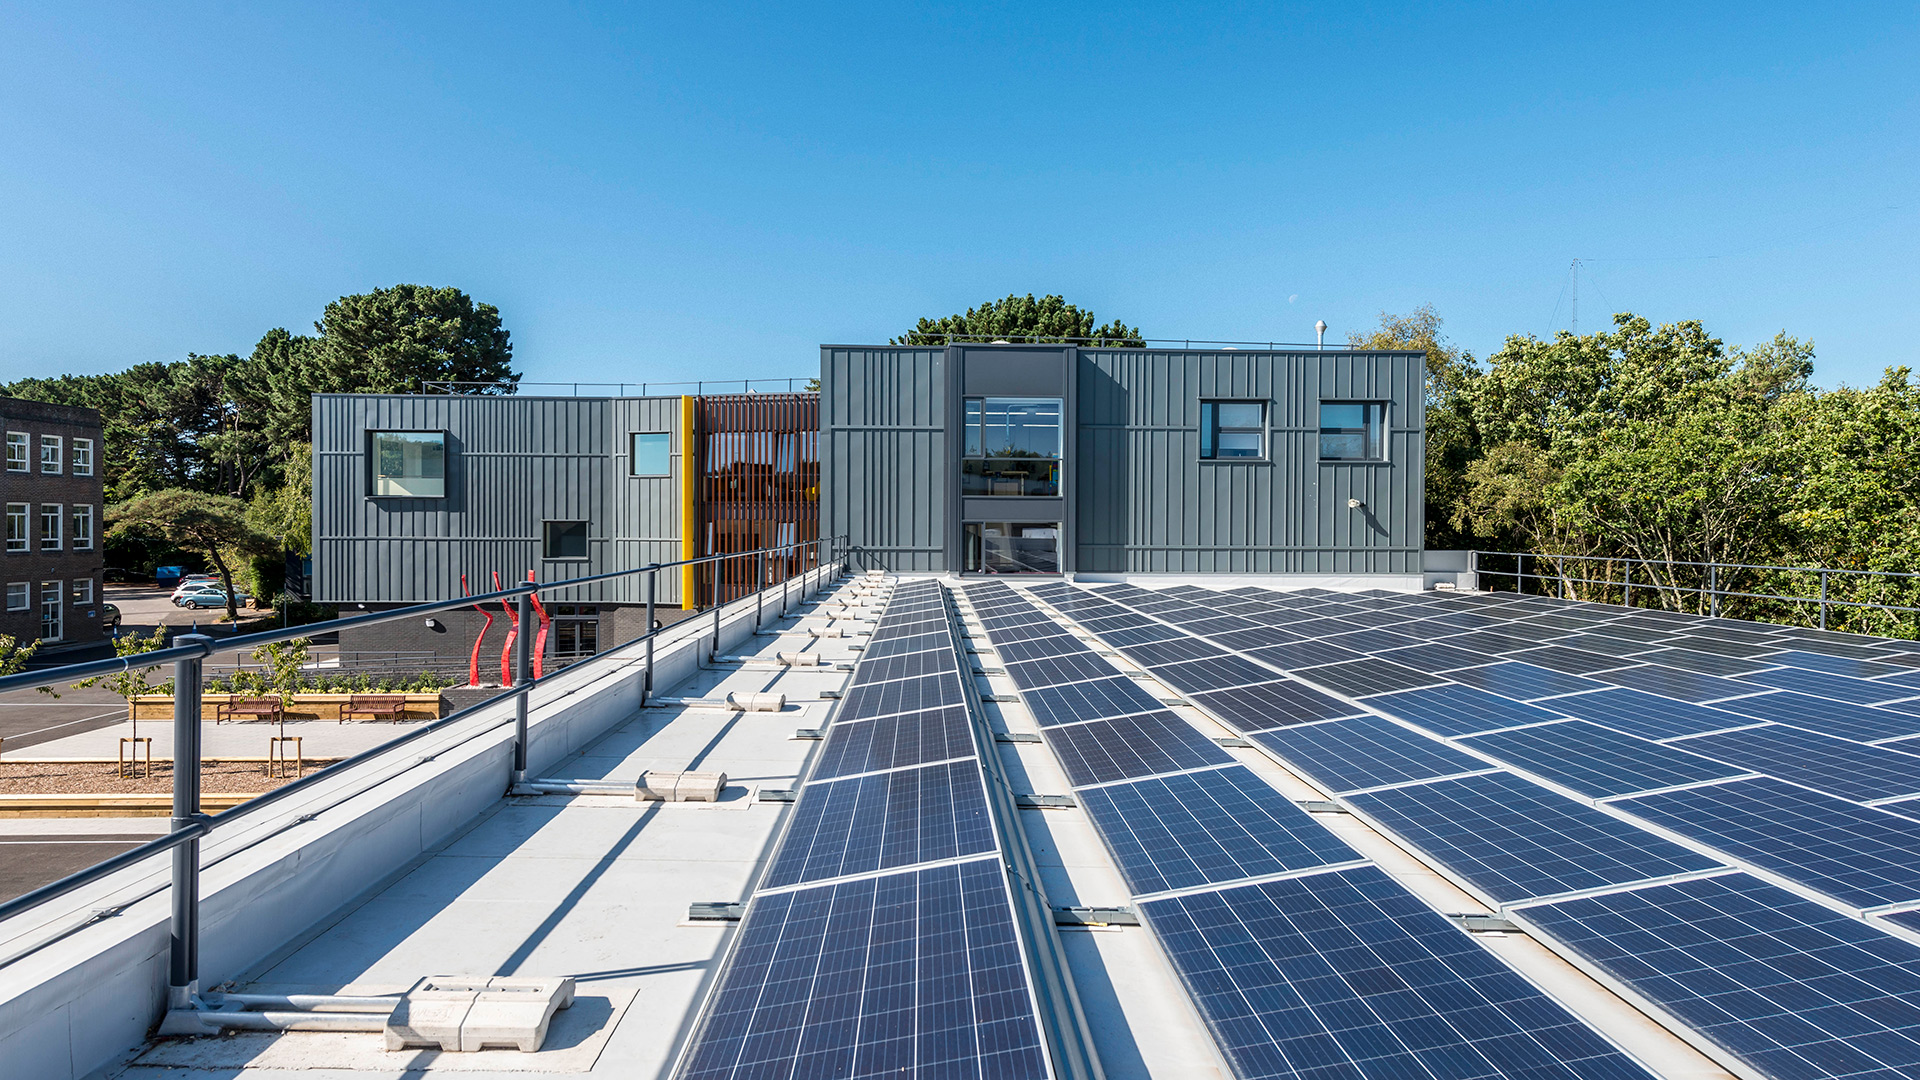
[[215, 526], [1021, 318]]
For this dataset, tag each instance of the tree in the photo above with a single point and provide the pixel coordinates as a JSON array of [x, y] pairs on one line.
[[130, 682], [1451, 440], [1022, 318], [13, 655], [390, 341], [213, 525]]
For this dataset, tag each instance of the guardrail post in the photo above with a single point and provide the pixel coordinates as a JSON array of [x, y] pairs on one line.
[[1713, 588], [1627, 599], [1823, 599], [523, 681], [1520, 573], [717, 605], [646, 687], [183, 961], [759, 585]]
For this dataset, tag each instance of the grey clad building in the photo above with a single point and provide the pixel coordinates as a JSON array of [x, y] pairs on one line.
[[1298, 466]]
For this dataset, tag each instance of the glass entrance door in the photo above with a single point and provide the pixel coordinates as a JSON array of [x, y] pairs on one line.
[[1018, 547]]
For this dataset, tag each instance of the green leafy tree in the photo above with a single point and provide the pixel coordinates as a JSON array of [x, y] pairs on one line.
[[1021, 318], [13, 655], [1452, 442], [215, 526], [131, 682]]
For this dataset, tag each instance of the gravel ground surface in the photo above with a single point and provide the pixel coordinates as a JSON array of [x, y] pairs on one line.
[[87, 778]]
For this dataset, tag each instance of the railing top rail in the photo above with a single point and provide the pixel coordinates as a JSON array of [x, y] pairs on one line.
[[206, 645], [1682, 562]]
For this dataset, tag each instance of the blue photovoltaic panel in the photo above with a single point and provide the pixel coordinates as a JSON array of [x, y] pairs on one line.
[[1245, 640], [1300, 654], [1029, 632], [1513, 840], [1460, 710], [1522, 682], [891, 742], [1274, 704], [900, 695], [1364, 752], [1372, 641], [912, 644], [1359, 678], [1171, 651], [1036, 648], [1675, 683], [1346, 976], [1839, 665], [1434, 657], [884, 820], [1215, 673], [1207, 827], [1490, 641], [1849, 770], [1853, 853], [1569, 661], [1091, 700], [1795, 990], [1120, 639], [914, 665], [1598, 762], [1848, 721], [1073, 667], [888, 630], [1103, 750], [907, 975], [1646, 715], [1221, 625], [1706, 663]]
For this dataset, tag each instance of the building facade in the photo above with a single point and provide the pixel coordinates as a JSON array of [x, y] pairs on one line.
[[52, 491], [1055, 459]]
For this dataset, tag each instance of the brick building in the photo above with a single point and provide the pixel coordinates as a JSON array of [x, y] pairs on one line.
[[51, 490]]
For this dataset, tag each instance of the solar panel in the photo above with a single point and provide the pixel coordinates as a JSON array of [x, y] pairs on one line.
[[1260, 635], [1800, 639], [1364, 752], [1789, 987], [1706, 663], [1220, 625], [908, 628], [1359, 678], [1523, 682], [1054, 670], [1849, 770], [1037, 648], [1460, 710], [1346, 974], [1214, 673], [1839, 665], [1273, 704], [899, 696], [1122, 638], [884, 820], [1647, 715], [1841, 718], [913, 665], [914, 974], [1091, 700], [1208, 827], [1566, 660], [1104, 750], [1675, 683], [1598, 762], [1488, 641], [1171, 651], [1029, 632], [1844, 687], [910, 644], [1511, 840], [1372, 641], [1855, 854], [894, 741], [1300, 654], [1434, 657]]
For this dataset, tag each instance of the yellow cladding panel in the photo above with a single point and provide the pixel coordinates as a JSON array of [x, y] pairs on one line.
[[689, 503]]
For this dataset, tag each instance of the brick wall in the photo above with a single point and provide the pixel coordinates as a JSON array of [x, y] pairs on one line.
[[39, 489]]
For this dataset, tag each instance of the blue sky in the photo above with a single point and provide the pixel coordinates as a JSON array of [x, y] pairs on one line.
[[701, 191]]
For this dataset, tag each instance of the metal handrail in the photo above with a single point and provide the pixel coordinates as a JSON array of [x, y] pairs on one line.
[[189, 824], [454, 386], [1712, 589]]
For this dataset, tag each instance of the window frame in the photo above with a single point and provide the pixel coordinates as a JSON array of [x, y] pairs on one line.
[[973, 412], [57, 590], [80, 600], [57, 541], [547, 546], [374, 475], [82, 457], [24, 542], [55, 463], [24, 441], [1211, 428], [1379, 441], [82, 539], [633, 454], [24, 590]]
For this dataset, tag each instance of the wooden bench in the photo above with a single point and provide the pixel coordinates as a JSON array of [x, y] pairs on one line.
[[377, 706], [253, 708]]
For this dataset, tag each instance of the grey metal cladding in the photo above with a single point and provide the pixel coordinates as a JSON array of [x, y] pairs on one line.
[[512, 464], [1149, 504], [885, 454]]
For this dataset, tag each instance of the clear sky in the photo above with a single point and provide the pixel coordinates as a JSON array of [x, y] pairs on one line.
[[654, 192]]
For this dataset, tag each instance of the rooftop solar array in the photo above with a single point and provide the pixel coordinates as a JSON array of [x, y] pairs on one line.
[[881, 940], [1720, 818], [1303, 958]]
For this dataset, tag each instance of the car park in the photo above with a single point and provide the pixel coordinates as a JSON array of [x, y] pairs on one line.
[[210, 598]]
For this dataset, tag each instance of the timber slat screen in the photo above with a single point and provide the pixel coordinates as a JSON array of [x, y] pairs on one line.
[[759, 484]]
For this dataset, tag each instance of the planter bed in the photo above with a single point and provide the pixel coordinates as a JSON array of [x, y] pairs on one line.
[[302, 707]]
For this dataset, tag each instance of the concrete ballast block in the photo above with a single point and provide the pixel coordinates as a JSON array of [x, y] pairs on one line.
[[656, 786], [469, 1013], [756, 702]]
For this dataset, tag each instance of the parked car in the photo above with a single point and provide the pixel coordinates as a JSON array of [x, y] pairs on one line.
[[109, 617], [212, 598], [196, 583]]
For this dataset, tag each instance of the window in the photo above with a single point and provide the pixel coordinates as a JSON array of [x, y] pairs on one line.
[[565, 540], [17, 442], [83, 592], [576, 630], [410, 464], [19, 595], [999, 547], [50, 462], [1233, 429], [83, 457], [652, 453], [83, 528], [1012, 447], [17, 527], [50, 514], [52, 607], [1353, 431]]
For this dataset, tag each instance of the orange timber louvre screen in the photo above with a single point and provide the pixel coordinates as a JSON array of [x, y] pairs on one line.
[[759, 485]]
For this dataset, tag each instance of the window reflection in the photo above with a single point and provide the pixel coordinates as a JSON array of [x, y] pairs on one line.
[[1012, 446]]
